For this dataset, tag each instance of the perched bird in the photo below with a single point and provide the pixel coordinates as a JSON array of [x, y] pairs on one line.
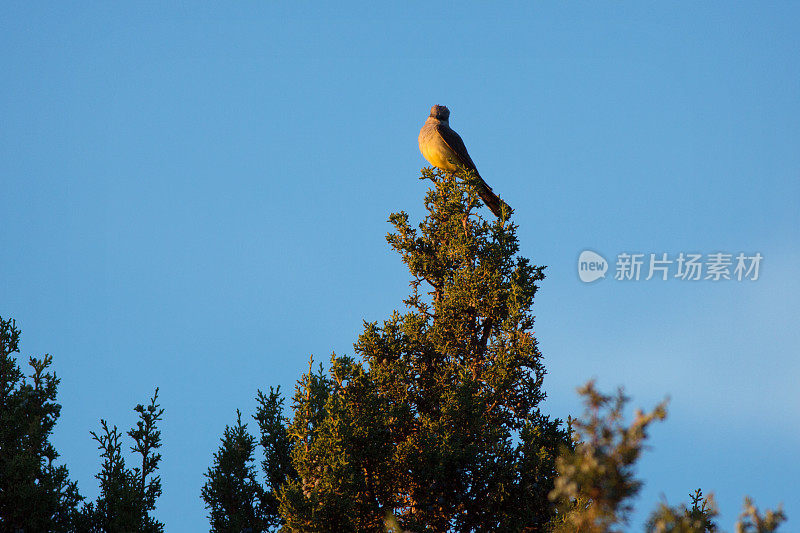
[[444, 149]]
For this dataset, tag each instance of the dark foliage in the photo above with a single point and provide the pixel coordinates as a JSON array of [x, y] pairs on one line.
[[127, 495], [35, 493]]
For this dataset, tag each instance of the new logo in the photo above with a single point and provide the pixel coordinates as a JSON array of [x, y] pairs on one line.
[[591, 266]]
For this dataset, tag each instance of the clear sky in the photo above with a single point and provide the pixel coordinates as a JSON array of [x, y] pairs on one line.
[[196, 198]]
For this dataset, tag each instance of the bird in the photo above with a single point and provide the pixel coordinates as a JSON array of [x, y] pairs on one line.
[[444, 149]]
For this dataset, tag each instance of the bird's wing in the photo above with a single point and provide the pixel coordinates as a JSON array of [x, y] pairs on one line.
[[456, 145]]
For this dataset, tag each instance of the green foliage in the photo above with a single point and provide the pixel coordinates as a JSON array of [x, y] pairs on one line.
[[438, 423], [277, 465], [682, 519], [341, 452], [231, 491], [596, 478], [127, 496], [35, 493], [753, 521]]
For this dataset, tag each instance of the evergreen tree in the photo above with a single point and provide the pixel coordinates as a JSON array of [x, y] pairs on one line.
[[231, 491], [438, 423], [36, 495], [277, 464], [237, 502], [699, 518], [127, 495], [596, 481]]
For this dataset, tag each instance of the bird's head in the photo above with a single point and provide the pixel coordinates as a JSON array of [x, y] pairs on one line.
[[440, 112]]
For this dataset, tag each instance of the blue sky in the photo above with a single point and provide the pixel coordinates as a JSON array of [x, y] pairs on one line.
[[195, 198]]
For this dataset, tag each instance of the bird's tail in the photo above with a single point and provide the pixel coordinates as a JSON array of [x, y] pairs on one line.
[[491, 200]]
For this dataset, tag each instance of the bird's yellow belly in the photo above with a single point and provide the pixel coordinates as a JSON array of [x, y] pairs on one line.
[[438, 155]]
